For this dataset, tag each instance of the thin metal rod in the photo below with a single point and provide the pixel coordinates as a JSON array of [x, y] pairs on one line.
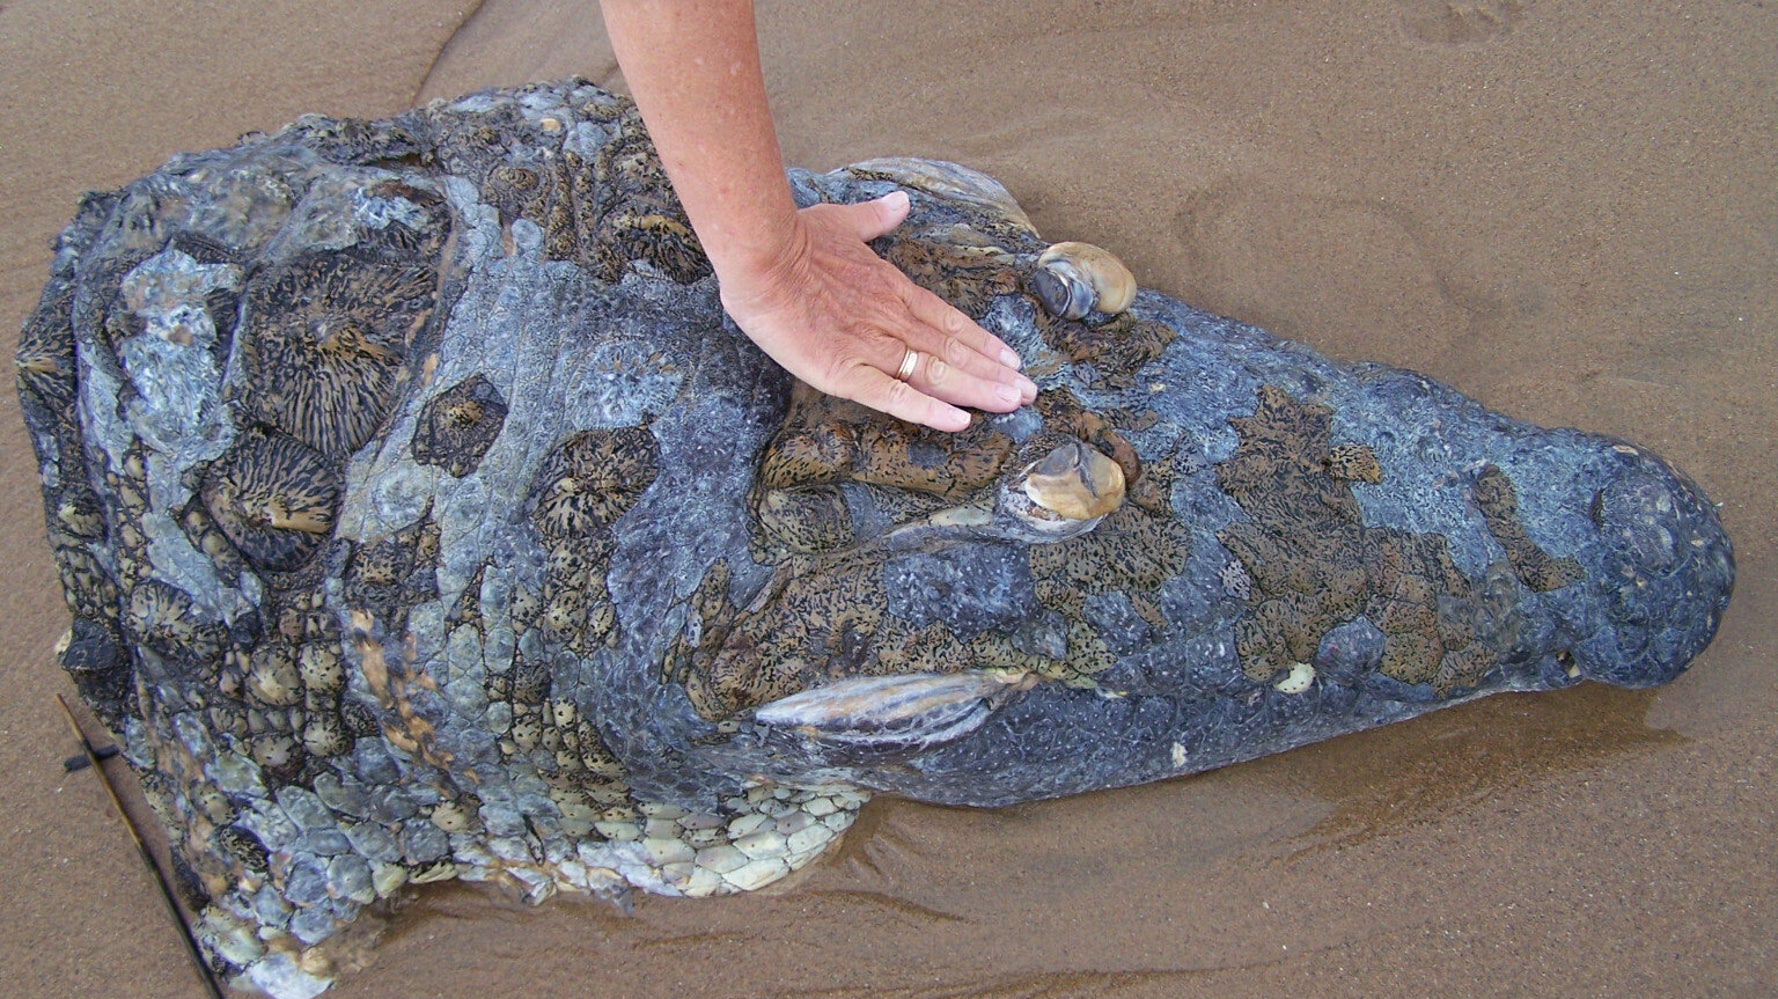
[[211, 987]]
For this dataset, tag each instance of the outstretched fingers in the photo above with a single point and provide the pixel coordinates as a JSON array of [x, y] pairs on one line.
[[871, 386], [942, 316], [958, 361], [846, 321]]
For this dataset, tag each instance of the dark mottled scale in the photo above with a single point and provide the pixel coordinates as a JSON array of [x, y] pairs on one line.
[[518, 192], [590, 479], [99, 664], [467, 610], [87, 583], [574, 212], [388, 577], [1116, 347], [359, 720], [244, 847], [44, 358], [661, 238], [205, 536], [459, 425], [274, 497], [322, 341], [576, 609], [163, 618]]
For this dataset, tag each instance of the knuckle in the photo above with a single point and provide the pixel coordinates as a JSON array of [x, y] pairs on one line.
[[956, 351], [899, 397], [840, 375], [938, 372]]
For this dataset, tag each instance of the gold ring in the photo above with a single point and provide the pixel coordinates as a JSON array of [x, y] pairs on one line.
[[909, 361]]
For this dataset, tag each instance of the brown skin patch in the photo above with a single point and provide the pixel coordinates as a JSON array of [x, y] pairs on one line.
[[1498, 501], [1132, 550], [575, 608], [88, 587], [1313, 564], [639, 218], [207, 537], [967, 277], [517, 192], [164, 619], [826, 441], [590, 479], [274, 498], [1116, 347], [322, 344], [822, 624], [823, 615], [583, 486], [1354, 463], [458, 425]]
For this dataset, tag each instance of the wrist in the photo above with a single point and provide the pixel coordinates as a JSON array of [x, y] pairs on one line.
[[754, 268]]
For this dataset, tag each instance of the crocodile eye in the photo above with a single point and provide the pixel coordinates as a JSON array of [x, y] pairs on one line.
[[1075, 482], [1072, 279], [1061, 495]]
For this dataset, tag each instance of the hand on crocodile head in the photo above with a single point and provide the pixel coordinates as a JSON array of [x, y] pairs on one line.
[[837, 316]]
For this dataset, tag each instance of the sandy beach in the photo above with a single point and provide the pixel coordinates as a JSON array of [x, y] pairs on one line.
[[1566, 211]]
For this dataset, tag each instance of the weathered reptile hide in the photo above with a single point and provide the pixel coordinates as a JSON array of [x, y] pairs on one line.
[[422, 516]]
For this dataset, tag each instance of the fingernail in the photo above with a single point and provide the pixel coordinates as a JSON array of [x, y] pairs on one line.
[[1006, 393], [1027, 388], [1010, 359]]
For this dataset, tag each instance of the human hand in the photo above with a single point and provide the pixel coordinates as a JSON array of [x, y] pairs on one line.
[[841, 318]]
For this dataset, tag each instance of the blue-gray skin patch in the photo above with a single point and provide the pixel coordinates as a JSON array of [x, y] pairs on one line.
[[968, 588]]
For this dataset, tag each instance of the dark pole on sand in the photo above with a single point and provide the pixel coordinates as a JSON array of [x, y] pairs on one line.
[[191, 944]]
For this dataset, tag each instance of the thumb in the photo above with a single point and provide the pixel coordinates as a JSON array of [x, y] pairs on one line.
[[871, 219]]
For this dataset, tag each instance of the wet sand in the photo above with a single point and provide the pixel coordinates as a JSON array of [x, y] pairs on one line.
[[1567, 211]]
